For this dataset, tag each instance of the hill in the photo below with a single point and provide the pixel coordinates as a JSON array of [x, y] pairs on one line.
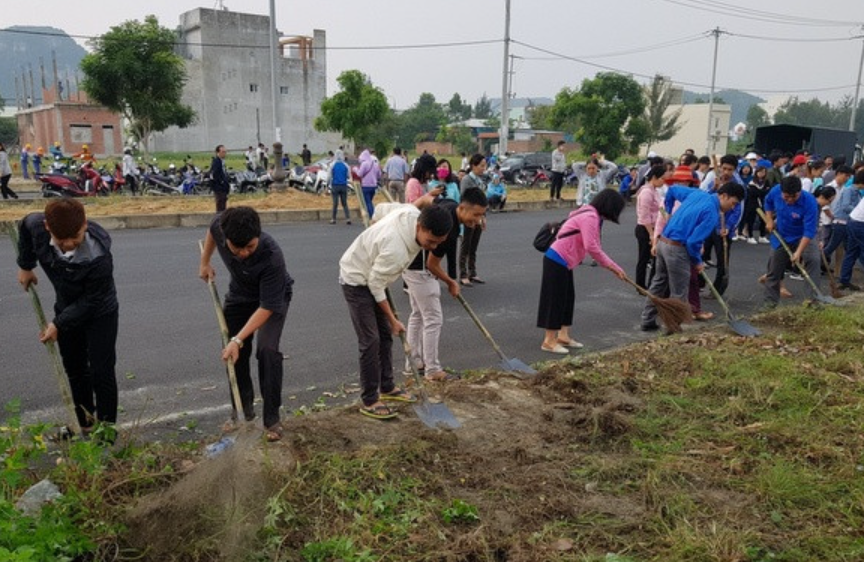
[[738, 100], [24, 47]]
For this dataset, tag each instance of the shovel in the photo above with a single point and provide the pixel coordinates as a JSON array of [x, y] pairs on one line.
[[434, 415], [59, 371], [825, 299], [514, 366], [223, 330], [740, 327]]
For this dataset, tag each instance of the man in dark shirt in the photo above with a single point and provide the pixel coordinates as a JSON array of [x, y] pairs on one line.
[[219, 178], [76, 256], [424, 291], [257, 301], [306, 155]]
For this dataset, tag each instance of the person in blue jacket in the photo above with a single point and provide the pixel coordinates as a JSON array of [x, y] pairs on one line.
[[792, 214], [339, 175]]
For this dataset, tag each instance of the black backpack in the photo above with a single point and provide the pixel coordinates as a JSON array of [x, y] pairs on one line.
[[549, 233]]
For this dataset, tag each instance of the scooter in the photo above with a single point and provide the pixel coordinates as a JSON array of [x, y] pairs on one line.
[[87, 184]]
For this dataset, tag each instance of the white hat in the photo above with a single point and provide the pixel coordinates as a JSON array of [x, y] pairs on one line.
[[652, 154], [751, 156]]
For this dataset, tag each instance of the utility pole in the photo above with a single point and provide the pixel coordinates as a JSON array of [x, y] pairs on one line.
[[710, 148], [274, 90], [857, 85], [505, 87]]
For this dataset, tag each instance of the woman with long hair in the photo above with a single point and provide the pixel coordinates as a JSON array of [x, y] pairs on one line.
[[579, 235], [647, 208], [471, 236]]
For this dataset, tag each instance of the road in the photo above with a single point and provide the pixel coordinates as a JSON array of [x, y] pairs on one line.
[[169, 372]]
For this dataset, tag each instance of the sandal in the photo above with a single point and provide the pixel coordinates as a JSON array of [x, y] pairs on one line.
[[398, 395], [703, 316], [466, 282], [571, 343], [273, 433], [65, 433], [478, 281], [441, 376], [378, 412]]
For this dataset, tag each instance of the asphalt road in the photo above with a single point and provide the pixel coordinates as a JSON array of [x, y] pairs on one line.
[[169, 371]]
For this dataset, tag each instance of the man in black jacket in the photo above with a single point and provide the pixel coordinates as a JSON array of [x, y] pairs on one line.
[[219, 178], [76, 256], [256, 303]]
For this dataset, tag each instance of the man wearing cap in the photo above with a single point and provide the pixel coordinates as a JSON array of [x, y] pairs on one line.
[[799, 166], [795, 215]]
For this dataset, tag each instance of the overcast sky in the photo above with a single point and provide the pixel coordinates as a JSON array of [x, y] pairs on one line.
[[633, 30]]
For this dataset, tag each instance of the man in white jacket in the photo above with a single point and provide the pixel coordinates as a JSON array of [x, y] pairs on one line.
[[374, 260]]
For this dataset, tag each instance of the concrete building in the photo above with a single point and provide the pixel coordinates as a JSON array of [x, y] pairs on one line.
[[228, 85], [694, 131], [73, 122]]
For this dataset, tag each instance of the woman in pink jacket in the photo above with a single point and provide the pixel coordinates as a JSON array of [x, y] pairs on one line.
[[579, 235]]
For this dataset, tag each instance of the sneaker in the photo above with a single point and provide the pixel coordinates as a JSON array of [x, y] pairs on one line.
[[850, 287], [734, 237], [763, 240], [752, 240], [796, 277], [709, 263], [650, 327], [348, 221], [332, 221]]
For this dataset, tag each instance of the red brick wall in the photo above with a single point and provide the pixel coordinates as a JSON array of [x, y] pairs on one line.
[[41, 126]]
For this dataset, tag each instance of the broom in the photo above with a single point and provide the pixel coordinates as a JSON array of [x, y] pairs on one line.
[[672, 312], [832, 281]]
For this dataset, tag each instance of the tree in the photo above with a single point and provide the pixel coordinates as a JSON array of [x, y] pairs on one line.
[[457, 110], [813, 113], [538, 116], [133, 70], [356, 110], [421, 121], [757, 117], [660, 124], [604, 114], [459, 136], [8, 131], [483, 108]]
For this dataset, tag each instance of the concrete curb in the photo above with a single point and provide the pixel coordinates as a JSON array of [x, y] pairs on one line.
[[268, 216]]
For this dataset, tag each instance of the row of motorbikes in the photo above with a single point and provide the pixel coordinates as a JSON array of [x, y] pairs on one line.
[[542, 177], [68, 178]]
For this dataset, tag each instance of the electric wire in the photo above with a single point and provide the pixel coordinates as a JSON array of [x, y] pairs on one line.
[[746, 13], [680, 82]]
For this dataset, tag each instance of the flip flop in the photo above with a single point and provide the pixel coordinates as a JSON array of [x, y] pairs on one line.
[[441, 376], [273, 433], [379, 412], [466, 282], [478, 281], [398, 395]]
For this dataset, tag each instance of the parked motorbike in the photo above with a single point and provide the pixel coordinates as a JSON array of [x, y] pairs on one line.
[[88, 183]]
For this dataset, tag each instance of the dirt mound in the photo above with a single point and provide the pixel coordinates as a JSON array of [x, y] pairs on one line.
[[213, 512]]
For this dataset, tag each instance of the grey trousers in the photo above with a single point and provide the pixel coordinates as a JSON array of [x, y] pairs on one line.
[[426, 320], [375, 342], [397, 190], [780, 261], [671, 278]]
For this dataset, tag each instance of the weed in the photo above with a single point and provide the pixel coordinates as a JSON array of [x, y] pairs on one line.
[[460, 512]]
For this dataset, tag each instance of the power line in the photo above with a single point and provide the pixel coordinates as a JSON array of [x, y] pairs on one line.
[[754, 15], [796, 39], [236, 46], [802, 20], [692, 84]]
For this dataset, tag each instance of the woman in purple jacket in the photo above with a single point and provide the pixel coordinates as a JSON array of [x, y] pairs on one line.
[[579, 235]]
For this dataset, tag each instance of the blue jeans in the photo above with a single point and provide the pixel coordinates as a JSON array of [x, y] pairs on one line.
[[838, 238], [368, 194], [854, 249]]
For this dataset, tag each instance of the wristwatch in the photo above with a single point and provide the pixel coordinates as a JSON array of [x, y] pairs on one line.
[[238, 341]]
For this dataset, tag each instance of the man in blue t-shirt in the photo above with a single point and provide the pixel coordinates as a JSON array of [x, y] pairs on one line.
[[793, 214]]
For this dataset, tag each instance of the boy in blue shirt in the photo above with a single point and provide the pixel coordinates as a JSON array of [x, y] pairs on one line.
[[794, 214]]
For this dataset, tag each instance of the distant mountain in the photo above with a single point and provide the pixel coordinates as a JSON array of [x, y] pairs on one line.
[[739, 101], [22, 47]]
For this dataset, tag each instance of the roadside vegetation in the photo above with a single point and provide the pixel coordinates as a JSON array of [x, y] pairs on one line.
[[703, 446]]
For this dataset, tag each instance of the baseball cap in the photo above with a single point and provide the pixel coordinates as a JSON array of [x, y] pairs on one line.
[[751, 156], [799, 160]]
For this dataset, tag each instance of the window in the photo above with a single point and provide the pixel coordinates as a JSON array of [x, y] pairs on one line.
[[283, 90], [253, 87], [81, 134]]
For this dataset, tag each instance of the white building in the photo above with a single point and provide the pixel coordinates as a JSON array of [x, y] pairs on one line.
[[694, 131]]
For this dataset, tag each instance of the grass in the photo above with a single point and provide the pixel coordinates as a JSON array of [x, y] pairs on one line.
[[704, 446]]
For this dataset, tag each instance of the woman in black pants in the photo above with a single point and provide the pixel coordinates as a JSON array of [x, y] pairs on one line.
[[647, 207], [471, 236]]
